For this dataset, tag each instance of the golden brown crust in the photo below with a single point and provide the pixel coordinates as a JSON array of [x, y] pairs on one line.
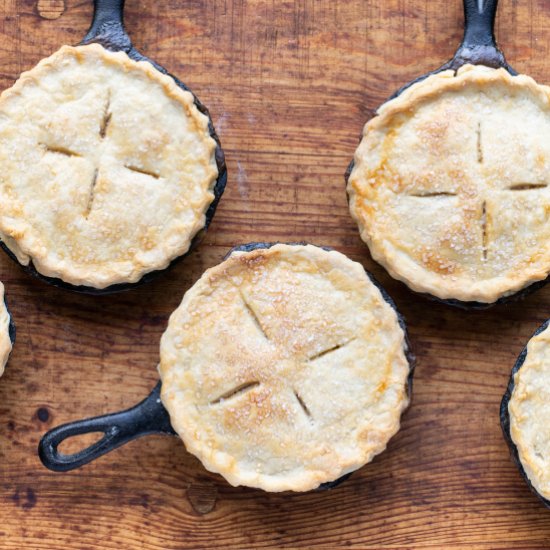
[[5, 341], [284, 368], [451, 184], [529, 410], [108, 167]]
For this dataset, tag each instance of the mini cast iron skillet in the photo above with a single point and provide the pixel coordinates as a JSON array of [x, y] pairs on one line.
[[108, 30], [478, 47], [150, 417], [505, 416]]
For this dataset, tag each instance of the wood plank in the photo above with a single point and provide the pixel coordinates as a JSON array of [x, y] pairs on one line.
[[290, 85]]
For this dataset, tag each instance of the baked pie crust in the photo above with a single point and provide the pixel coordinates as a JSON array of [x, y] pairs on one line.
[[529, 411], [108, 167], [451, 184], [284, 368], [5, 340]]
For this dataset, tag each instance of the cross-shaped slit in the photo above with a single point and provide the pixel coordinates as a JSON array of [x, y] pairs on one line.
[[527, 186], [142, 171], [59, 150], [236, 392], [330, 350], [106, 119], [95, 158], [302, 404], [430, 194], [484, 230], [91, 194], [254, 317], [103, 127], [479, 144]]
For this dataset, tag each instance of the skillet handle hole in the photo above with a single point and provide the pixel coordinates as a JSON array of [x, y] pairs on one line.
[[77, 443]]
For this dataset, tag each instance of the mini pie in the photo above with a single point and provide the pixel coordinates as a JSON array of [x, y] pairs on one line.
[[5, 340], [529, 412], [285, 368], [108, 167], [450, 186]]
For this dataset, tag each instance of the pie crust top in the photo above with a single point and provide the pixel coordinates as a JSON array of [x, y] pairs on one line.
[[5, 341], [529, 410], [450, 187], [284, 368], [108, 167]]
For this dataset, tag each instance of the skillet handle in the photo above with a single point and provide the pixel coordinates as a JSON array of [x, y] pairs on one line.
[[479, 23], [148, 417], [479, 45], [107, 26]]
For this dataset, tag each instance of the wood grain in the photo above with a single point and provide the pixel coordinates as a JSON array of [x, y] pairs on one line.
[[290, 85]]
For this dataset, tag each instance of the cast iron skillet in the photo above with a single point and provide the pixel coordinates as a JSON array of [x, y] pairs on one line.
[[150, 417], [478, 47], [108, 30], [505, 416]]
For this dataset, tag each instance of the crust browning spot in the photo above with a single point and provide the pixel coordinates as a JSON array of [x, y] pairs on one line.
[[437, 263]]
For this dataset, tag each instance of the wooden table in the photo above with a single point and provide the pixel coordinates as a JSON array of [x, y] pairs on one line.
[[289, 85]]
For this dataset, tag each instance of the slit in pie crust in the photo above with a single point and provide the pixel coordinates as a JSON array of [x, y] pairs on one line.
[[529, 411], [108, 167], [284, 368], [5, 340], [451, 184]]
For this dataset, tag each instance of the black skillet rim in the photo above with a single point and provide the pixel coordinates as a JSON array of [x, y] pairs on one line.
[[505, 416], [411, 359], [11, 326], [116, 39]]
